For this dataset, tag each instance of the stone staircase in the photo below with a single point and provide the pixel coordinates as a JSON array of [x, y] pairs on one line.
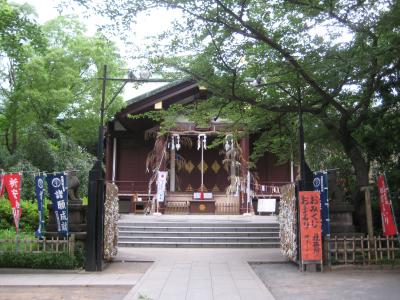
[[198, 234]]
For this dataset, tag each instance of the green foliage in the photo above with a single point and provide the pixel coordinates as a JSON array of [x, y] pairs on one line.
[[41, 260], [50, 100], [18, 33], [29, 219]]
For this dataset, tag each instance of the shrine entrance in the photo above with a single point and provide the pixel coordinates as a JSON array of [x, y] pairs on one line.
[[188, 172]]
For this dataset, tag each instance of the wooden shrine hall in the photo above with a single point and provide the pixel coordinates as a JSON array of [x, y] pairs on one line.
[[200, 178]]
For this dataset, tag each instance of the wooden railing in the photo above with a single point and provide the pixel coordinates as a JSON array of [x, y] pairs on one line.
[[268, 188], [35, 245], [126, 187], [361, 250]]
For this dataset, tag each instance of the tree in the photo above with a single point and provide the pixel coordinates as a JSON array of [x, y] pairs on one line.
[[50, 104], [60, 87], [338, 58]]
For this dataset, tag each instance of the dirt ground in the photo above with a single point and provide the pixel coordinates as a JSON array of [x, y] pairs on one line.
[[101, 291], [64, 293], [285, 282]]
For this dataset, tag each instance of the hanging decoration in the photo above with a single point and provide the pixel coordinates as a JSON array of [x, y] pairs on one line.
[[58, 191], [175, 142], [229, 142], [202, 141], [12, 183], [39, 189]]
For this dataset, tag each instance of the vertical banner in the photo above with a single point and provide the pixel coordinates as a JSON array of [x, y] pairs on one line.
[[58, 191], [161, 182], [12, 183], [320, 183], [39, 189], [310, 227], [388, 225]]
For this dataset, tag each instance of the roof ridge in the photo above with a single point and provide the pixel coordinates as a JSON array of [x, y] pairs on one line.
[[158, 90]]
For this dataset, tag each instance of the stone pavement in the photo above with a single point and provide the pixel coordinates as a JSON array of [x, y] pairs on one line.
[[204, 274]]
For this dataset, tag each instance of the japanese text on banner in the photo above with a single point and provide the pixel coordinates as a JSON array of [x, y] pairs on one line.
[[310, 226], [13, 186], [388, 224], [58, 191], [39, 184]]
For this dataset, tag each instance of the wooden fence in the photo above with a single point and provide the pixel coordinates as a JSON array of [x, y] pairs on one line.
[[36, 245], [361, 250]]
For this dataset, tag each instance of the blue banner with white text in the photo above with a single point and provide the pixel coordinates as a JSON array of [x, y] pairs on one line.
[[320, 183], [58, 191], [39, 189]]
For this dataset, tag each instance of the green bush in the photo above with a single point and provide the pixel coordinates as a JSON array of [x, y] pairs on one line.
[[39, 260], [29, 219]]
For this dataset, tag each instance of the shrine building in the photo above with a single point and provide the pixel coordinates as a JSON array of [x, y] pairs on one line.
[[200, 179]]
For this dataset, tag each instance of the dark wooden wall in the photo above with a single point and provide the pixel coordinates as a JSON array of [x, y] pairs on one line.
[[269, 171], [132, 152]]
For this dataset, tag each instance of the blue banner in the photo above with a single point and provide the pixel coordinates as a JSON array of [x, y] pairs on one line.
[[320, 183], [39, 188], [58, 191]]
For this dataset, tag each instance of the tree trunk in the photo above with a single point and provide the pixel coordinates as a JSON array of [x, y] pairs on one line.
[[361, 168]]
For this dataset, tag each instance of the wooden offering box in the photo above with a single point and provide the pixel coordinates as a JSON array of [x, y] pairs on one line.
[[202, 207]]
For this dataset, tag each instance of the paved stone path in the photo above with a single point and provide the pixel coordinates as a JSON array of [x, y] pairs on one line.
[[202, 274]]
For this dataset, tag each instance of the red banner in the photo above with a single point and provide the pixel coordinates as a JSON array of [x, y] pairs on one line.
[[310, 226], [388, 225], [12, 183]]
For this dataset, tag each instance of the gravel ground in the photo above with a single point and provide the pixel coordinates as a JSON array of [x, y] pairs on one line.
[[285, 282]]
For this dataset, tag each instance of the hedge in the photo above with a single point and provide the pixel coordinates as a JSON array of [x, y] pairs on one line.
[[29, 219], [42, 260]]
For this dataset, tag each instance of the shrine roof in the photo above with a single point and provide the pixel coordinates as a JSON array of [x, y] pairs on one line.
[[156, 91], [170, 93]]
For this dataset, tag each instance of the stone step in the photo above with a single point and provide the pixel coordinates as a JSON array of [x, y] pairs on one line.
[[198, 224], [218, 239], [199, 245], [199, 233], [197, 229]]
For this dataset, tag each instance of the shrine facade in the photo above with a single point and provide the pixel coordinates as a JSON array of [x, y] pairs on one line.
[[191, 167]]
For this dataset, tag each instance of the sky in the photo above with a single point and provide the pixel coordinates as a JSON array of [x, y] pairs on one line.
[[147, 25]]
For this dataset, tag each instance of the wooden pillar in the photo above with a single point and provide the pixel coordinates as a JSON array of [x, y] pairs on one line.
[[114, 159], [368, 210], [108, 152]]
